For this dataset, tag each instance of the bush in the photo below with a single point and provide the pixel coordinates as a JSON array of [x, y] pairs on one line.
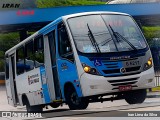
[[53, 3], [151, 32], [7, 40]]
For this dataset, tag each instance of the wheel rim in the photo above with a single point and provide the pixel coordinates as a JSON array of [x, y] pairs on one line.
[[74, 98]]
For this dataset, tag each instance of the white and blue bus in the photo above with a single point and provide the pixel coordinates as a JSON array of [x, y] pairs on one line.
[[78, 59]]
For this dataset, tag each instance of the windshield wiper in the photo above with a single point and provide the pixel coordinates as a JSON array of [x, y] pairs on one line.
[[105, 41], [92, 39], [116, 34]]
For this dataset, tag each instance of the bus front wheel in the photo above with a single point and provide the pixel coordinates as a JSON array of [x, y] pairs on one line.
[[136, 96], [74, 102]]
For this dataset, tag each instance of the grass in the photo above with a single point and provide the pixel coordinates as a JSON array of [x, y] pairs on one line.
[[54, 3]]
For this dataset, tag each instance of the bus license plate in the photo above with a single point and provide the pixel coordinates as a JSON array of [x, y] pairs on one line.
[[125, 88]]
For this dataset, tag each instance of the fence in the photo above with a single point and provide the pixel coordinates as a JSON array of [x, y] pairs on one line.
[[157, 76]]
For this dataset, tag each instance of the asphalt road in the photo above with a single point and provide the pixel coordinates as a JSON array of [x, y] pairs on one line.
[[107, 109]]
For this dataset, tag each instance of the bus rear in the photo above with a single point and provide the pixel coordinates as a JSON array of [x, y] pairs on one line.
[[112, 56]]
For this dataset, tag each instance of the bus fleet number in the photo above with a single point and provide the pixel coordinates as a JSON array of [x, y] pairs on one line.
[[132, 63]]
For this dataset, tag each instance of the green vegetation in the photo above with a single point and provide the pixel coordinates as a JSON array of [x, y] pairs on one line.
[[151, 32], [7, 41], [53, 3]]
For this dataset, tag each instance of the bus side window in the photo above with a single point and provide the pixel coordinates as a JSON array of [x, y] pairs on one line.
[[20, 60], [6, 68], [39, 51], [64, 45], [29, 56]]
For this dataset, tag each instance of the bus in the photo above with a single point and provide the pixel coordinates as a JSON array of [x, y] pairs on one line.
[[78, 59]]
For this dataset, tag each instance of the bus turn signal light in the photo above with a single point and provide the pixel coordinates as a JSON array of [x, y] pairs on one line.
[[87, 69], [149, 62]]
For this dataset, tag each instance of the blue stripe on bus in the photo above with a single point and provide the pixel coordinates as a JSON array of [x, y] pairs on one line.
[[44, 86], [46, 93]]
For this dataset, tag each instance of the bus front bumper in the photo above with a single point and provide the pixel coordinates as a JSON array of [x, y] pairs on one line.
[[96, 85]]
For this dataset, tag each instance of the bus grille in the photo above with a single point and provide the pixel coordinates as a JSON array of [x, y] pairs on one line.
[[111, 65], [131, 69], [123, 82], [113, 71]]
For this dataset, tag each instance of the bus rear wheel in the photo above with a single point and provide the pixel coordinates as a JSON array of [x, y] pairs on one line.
[[31, 109], [136, 96], [55, 105], [74, 102]]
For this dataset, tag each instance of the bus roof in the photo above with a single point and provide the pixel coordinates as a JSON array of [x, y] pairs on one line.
[[57, 21], [92, 13]]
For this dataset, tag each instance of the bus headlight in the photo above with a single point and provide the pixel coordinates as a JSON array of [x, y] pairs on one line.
[[89, 69], [148, 64]]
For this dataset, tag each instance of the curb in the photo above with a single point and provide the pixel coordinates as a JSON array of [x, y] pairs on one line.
[[153, 96]]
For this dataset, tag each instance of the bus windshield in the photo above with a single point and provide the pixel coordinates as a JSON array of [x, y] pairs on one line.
[[106, 33]]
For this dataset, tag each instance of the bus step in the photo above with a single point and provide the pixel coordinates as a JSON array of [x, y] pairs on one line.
[[60, 100]]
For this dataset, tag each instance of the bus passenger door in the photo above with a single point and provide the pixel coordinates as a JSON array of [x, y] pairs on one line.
[[67, 69], [51, 67], [10, 81], [52, 45]]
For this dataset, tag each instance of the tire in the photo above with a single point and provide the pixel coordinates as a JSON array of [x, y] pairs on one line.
[[74, 102], [136, 96], [31, 109], [55, 105]]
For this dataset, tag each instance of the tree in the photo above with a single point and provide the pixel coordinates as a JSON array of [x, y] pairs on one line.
[[7, 41], [150, 33]]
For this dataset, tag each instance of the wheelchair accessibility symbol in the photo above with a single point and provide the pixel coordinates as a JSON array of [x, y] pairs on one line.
[[97, 62]]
